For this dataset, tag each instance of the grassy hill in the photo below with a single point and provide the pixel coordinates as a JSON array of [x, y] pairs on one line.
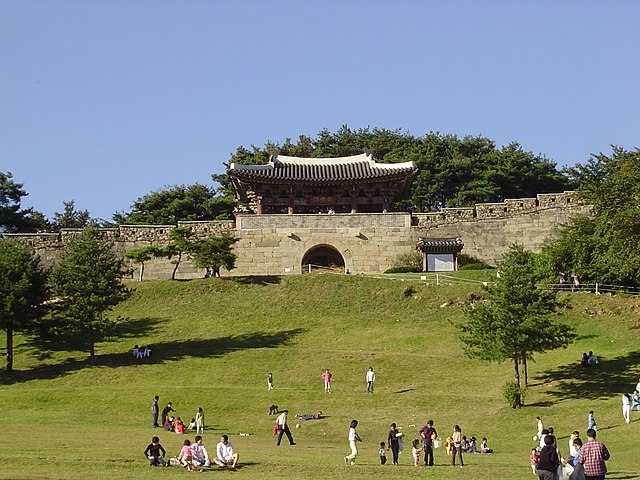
[[214, 341]]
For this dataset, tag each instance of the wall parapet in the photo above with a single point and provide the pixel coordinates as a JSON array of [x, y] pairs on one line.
[[510, 207]]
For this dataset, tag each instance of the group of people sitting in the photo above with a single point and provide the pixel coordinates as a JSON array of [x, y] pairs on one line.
[[589, 360], [141, 352], [470, 445], [193, 456], [175, 424]]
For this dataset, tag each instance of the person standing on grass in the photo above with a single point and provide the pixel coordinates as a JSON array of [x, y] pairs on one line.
[[393, 440], [540, 427], [591, 422], [457, 446], [626, 407], [353, 438], [283, 428], [200, 421], [270, 381], [371, 378], [548, 460], [165, 411], [326, 376], [155, 453], [635, 401], [593, 456], [155, 410], [428, 435]]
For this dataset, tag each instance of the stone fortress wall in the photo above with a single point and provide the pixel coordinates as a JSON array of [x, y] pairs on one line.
[[368, 242]]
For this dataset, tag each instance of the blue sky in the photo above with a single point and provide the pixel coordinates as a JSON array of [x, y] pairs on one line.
[[104, 101]]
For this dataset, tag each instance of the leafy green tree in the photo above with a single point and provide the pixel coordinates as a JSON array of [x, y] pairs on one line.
[[12, 217], [71, 218], [142, 255], [170, 205], [179, 244], [516, 318], [603, 247], [213, 252], [452, 172], [88, 285], [22, 290]]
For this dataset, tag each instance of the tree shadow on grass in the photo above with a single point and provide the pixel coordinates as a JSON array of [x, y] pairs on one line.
[[126, 328], [611, 377], [258, 280], [160, 353]]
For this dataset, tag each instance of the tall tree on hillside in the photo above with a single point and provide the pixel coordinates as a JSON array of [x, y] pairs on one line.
[[12, 217], [179, 244], [22, 290], [603, 247], [170, 205], [516, 318], [214, 252], [142, 255], [88, 284], [70, 217]]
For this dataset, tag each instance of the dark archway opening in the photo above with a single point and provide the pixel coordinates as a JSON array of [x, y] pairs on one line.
[[323, 258]]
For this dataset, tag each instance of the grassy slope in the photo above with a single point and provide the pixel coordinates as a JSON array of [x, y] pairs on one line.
[[215, 341]]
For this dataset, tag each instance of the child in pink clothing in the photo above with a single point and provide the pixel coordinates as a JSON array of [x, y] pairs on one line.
[[326, 376], [534, 457], [186, 456]]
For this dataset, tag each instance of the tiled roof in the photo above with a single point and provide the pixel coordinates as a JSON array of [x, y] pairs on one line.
[[322, 170], [440, 245]]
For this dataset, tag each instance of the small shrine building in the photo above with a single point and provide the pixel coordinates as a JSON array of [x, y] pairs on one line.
[[289, 185], [440, 254]]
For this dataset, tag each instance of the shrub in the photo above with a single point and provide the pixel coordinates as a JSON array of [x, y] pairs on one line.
[[467, 262], [403, 270], [411, 259], [513, 394]]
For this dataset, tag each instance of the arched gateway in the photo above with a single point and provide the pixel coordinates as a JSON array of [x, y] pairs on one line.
[[323, 257]]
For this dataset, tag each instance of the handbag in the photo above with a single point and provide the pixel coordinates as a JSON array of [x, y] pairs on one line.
[[275, 429]]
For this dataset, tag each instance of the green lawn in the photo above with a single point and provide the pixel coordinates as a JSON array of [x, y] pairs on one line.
[[214, 341]]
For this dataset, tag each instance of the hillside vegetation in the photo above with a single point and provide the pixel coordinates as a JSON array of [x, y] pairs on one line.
[[214, 341]]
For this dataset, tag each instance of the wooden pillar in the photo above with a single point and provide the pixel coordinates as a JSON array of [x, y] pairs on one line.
[[259, 207], [354, 205]]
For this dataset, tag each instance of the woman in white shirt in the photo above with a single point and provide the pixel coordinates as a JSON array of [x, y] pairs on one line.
[[353, 438]]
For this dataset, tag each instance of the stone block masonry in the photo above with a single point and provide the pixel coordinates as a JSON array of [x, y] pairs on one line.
[[367, 242]]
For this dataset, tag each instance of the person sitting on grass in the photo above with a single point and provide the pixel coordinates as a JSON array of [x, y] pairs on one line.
[[169, 424], [225, 456], [484, 447], [186, 456], [179, 427], [200, 455], [192, 424], [155, 453]]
